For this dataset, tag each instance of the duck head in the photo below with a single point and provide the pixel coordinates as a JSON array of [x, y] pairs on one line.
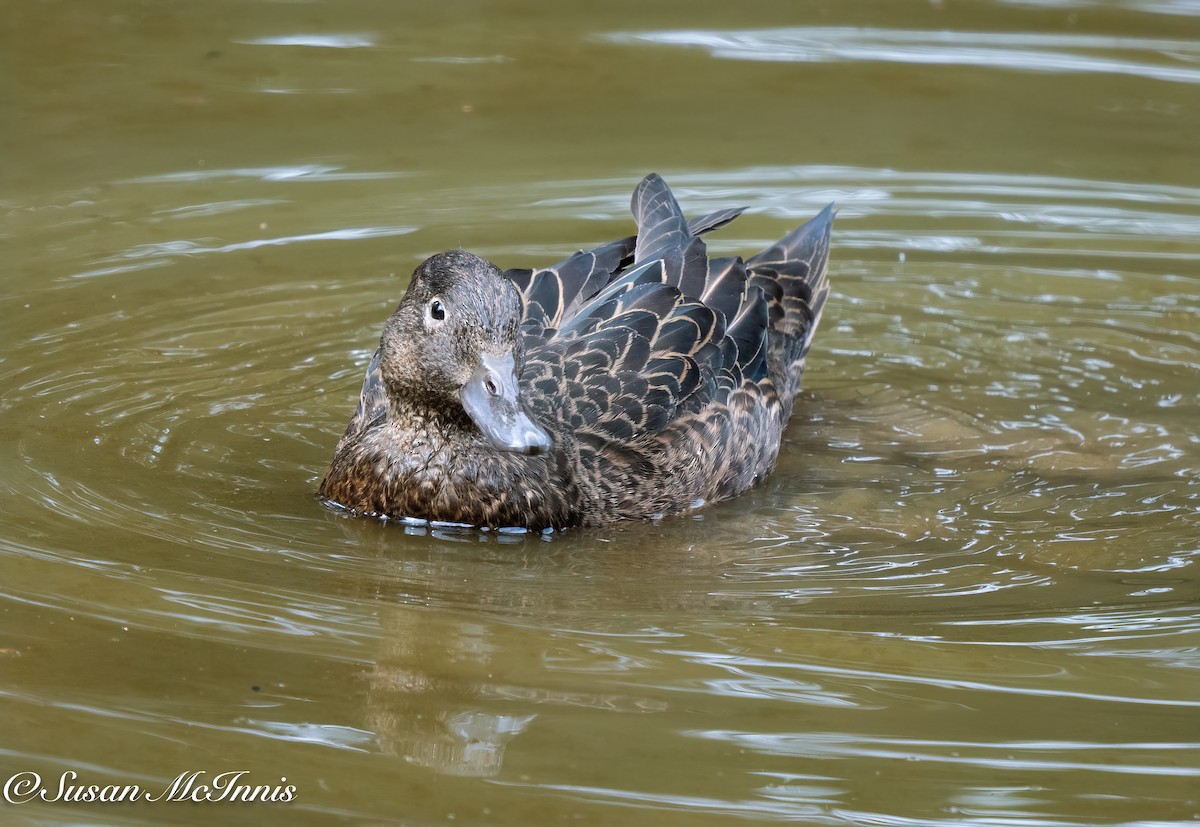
[[453, 345]]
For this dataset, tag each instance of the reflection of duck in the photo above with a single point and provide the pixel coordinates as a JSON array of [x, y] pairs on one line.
[[453, 691], [635, 380]]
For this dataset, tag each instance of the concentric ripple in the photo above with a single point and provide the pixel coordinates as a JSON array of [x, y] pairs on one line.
[[967, 595], [971, 426]]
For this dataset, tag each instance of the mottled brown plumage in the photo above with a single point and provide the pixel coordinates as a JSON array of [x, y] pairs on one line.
[[636, 380]]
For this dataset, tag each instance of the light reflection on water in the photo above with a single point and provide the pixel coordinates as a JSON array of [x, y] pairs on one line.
[[967, 595], [1017, 51]]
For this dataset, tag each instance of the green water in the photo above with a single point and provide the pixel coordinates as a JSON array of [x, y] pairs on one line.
[[968, 595]]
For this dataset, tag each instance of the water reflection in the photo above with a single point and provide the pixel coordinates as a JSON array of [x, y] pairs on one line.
[[303, 172], [1169, 60], [320, 41], [433, 699]]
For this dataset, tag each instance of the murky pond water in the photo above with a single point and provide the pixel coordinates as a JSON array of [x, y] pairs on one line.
[[968, 595]]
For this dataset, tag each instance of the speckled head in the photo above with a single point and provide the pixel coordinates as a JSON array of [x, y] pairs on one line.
[[453, 344]]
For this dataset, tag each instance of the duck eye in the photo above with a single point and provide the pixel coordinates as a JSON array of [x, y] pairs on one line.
[[437, 310]]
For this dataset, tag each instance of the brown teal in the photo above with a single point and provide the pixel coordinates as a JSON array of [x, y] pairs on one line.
[[636, 380]]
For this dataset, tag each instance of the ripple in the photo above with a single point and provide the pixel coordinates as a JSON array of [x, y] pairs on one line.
[[1170, 60], [300, 172], [893, 495], [185, 247], [1185, 8], [318, 41], [464, 60], [957, 408], [967, 595], [990, 756], [979, 211]]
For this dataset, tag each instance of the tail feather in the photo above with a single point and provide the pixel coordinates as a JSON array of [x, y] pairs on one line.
[[799, 263], [663, 233], [662, 229], [794, 275], [554, 295]]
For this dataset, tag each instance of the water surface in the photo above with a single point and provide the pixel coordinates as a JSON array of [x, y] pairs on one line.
[[968, 595]]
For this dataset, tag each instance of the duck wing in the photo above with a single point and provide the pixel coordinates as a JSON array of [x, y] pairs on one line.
[[614, 388], [372, 407], [651, 361]]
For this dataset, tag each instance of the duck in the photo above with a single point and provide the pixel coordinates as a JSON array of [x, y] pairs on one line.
[[634, 381]]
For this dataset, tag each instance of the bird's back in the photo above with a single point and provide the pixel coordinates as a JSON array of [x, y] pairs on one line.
[[666, 377]]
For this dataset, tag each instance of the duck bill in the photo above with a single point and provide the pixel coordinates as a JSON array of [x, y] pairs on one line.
[[491, 397]]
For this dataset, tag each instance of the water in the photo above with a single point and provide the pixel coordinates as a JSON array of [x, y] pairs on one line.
[[968, 594]]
